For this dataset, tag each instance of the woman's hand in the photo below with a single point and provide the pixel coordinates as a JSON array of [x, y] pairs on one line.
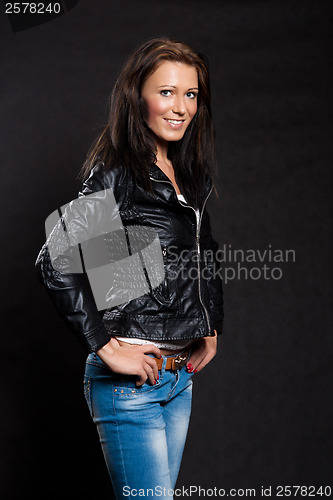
[[131, 360], [203, 351]]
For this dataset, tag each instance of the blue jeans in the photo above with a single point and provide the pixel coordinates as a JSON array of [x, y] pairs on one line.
[[142, 430]]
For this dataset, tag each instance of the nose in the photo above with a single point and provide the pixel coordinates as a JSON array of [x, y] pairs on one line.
[[179, 107]]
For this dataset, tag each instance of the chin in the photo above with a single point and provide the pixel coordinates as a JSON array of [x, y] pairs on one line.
[[173, 137]]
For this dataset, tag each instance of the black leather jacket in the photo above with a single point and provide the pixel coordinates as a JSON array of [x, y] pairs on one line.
[[187, 304]]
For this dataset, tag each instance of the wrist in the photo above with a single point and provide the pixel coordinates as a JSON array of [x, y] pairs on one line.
[[107, 349]]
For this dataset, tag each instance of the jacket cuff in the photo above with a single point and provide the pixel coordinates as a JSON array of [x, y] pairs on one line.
[[217, 325], [95, 340]]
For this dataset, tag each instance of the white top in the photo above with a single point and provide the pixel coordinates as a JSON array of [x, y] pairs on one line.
[[173, 345], [197, 213]]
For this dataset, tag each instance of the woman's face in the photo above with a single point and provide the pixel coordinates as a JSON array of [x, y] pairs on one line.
[[170, 95]]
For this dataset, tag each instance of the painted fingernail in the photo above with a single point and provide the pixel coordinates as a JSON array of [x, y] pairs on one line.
[[195, 371], [189, 366]]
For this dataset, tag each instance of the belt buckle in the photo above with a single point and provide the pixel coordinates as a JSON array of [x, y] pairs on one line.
[[179, 361]]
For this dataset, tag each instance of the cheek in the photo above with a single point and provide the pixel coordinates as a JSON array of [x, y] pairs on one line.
[[155, 108], [193, 109]]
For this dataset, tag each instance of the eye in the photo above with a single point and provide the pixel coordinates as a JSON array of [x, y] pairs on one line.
[[165, 92], [192, 95]]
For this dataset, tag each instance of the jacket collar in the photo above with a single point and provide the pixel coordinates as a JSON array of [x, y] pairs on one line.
[[158, 175]]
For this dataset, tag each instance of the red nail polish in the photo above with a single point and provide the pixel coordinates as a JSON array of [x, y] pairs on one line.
[[195, 371]]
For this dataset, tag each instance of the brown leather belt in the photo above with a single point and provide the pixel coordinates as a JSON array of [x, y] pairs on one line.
[[173, 363]]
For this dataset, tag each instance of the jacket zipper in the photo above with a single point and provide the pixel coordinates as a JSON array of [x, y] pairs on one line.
[[197, 239]]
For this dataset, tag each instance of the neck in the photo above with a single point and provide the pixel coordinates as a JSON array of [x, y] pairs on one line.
[[162, 151]]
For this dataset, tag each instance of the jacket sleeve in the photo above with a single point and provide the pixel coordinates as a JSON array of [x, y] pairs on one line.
[[71, 292], [212, 276]]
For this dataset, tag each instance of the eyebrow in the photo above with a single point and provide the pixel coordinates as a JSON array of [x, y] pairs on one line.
[[167, 85]]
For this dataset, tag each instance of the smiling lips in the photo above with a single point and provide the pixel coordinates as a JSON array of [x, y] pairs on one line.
[[175, 123]]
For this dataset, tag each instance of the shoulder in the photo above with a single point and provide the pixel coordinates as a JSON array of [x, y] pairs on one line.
[[104, 177]]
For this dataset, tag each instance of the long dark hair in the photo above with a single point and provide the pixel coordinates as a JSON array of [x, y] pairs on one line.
[[128, 141]]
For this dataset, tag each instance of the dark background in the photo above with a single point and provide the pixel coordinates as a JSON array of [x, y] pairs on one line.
[[262, 411]]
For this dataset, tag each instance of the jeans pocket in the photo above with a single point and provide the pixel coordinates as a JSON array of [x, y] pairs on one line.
[[127, 387], [87, 386]]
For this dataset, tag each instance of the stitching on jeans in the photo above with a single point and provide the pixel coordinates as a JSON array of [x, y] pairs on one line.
[[173, 389], [121, 449]]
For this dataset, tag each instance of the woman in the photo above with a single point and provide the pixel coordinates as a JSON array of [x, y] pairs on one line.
[[156, 155]]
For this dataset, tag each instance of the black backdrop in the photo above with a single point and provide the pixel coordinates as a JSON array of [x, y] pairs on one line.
[[262, 411]]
